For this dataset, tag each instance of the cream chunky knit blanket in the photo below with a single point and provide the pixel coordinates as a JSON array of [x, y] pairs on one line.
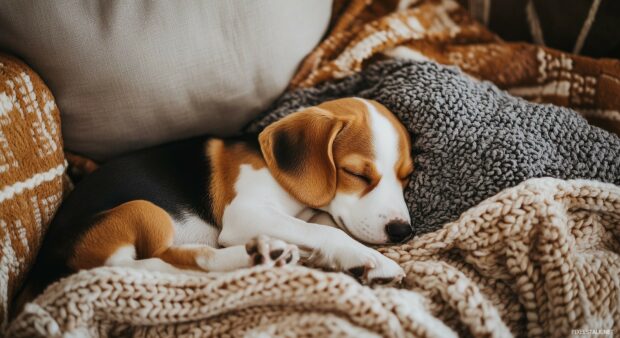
[[540, 259]]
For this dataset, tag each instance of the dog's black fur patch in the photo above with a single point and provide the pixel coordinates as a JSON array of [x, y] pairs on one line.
[[288, 151]]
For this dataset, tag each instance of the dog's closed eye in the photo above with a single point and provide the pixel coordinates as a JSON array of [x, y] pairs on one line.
[[358, 175]]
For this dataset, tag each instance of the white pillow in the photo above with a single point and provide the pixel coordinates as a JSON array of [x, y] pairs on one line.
[[129, 74]]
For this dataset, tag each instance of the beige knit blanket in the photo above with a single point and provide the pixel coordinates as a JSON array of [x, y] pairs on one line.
[[540, 259]]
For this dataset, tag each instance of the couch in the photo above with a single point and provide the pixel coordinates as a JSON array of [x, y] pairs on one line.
[[459, 279]]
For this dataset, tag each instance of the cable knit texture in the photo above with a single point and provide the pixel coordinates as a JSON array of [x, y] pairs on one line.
[[539, 259], [470, 139]]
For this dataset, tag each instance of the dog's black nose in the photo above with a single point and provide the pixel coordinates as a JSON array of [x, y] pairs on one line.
[[398, 231]]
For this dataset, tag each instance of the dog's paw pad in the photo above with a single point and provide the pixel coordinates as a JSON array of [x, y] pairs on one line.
[[360, 272], [264, 250], [275, 254], [388, 281]]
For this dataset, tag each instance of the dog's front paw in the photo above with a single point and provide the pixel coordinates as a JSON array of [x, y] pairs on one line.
[[387, 272], [268, 251], [378, 269]]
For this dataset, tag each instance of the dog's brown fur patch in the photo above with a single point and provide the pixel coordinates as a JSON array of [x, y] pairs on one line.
[[226, 160], [141, 224], [404, 165], [353, 148]]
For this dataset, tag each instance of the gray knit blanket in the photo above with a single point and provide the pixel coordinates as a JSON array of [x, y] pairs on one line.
[[470, 139]]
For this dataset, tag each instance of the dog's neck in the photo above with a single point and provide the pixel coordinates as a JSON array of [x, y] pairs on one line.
[[226, 156]]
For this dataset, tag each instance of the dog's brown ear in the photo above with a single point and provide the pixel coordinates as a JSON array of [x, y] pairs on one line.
[[298, 151]]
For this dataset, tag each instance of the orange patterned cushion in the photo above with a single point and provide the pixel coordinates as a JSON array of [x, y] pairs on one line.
[[32, 166]]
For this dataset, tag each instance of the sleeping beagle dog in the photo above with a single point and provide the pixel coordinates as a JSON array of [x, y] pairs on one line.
[[222, 204]]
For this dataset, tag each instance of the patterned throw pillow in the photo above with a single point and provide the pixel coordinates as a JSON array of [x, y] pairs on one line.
[[32, 166]]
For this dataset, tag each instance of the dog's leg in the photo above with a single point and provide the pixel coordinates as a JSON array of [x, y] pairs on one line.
[[140, 234], [260, 250], [125, 256], [332, 246]]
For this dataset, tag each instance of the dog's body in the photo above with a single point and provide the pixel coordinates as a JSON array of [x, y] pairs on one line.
[[208, 203]]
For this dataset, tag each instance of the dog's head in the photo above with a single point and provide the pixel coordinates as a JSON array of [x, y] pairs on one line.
[[349, 157]]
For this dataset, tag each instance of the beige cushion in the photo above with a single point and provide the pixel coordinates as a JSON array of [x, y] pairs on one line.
[[128, 74]]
